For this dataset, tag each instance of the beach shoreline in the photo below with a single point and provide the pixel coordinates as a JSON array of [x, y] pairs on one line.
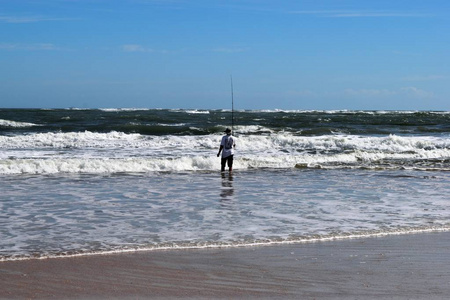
[[410, 266]]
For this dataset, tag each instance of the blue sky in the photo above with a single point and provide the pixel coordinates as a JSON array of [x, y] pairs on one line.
[[305, 54]]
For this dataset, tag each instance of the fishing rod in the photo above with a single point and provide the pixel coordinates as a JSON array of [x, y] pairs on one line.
[[232, 105]]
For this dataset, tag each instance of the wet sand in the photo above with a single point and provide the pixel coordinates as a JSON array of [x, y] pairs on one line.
[[414, 266]]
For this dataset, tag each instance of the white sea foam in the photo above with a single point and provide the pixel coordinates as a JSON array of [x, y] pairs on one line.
[[195, 111], [67, 140], [346, 111], [60, 216], [212, 245], [122, 109], [113, 152], [172, 125], [8, 123]]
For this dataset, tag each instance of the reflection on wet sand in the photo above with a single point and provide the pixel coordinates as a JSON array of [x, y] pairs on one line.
[[227, 190]]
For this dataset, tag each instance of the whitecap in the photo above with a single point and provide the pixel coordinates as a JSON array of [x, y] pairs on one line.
[[8, 123]]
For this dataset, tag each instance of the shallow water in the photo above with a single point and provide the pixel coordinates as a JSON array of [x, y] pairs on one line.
[[67, 214]]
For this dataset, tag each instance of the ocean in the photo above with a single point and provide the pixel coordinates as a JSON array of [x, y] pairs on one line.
[[94, 181]]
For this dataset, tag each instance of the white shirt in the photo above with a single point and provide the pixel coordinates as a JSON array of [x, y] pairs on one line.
[[227, 143]]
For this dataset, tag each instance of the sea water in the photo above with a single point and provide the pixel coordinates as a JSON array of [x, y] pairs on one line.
[[80, 182]]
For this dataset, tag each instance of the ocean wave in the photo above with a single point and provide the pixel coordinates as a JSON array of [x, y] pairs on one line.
[[67, 140], [123, 109], [283, 141], [195, 111], [275, 110], [90, 152], [211, 163], [192, 111], [8, 123], [106, 166], [346, 111]]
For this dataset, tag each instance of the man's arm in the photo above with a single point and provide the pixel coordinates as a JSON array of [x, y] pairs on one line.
[[220, 150]]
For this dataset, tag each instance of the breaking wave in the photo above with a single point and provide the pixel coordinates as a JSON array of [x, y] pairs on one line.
[[115, 152], [8, 123]]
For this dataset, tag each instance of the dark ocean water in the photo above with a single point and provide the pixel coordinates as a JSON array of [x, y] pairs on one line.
[[204, 122], [77, 181]]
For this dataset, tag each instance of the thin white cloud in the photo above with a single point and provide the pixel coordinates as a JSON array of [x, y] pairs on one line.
[[140, 48], [230, 50], [425, 78], [158, 1], [403, 53], [369, 92], [172, 4], [29, 19], [134, 48], [416, 92], [359, 14], [301, 93], [404, 91], [6, 46], [379, 15], [29, 47]]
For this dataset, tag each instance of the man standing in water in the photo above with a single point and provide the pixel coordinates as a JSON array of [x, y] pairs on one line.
[[227, 144]]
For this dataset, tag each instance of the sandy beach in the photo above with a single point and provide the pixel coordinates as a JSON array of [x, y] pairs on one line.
[[413, 266]]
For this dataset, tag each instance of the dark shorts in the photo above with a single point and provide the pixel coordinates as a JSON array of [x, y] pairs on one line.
[[228, 159]]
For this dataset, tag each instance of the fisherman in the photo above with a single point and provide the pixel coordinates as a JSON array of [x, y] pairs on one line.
[[227, 144]]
